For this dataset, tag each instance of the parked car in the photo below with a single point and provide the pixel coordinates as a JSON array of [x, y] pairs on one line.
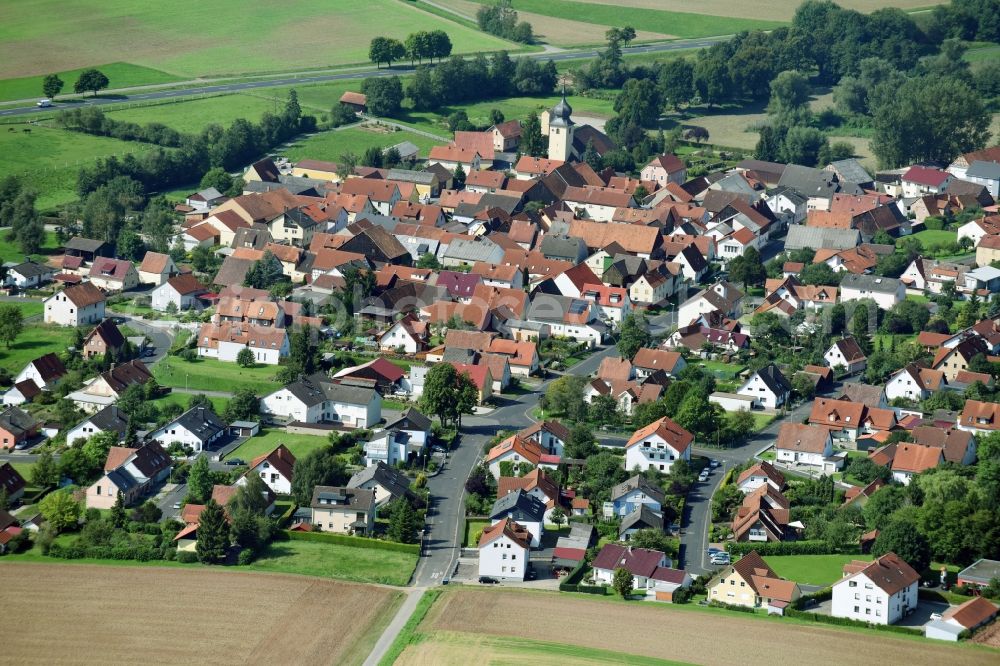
[[488, 580], [720, 558], [236, 461], [712, 551], [935, 616], [177, 505], [713, 463]]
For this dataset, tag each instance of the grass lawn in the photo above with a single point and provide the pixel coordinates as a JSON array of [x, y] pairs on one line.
[[472, 528], [330, 145], [183, 399], [299, 445], [24, 469], [49, 158], [192, 115], [678, 24], [177, 39], [327, 560], [761, 421], [120, 74], [722, 370], [9, 251], [933, 236], [812, 569], [395, 404], [767, 455], [884, 340], [35, 340], [212, 375]]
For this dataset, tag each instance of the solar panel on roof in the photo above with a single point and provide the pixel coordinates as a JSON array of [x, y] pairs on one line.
[[577, 307]]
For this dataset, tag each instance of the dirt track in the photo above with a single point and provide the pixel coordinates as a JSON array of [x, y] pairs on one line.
[[689, 636], [61, 614]]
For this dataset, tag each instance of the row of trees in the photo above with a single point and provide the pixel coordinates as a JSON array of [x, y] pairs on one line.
[[17, 211], [89, 80], [418, 45], [500, 19]]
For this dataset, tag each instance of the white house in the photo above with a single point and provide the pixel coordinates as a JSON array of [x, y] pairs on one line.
[[406, 334], [642, 563], [108, 419], [504, 549], [803, 444], [156, 268], [768, 388], [316, 399], [275, 469], [721, 296], [401, 440], [75, 306], [524, 509], [197, 428], [879, 592], [44, 371], [386, 483], [974, 613], [762, 473], [977, 229], [657, 446], [885, 291], [914, 382], [29, 274], [846, 353], [181, 290], [227, 339]]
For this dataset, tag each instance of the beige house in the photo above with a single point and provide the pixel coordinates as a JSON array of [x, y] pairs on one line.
[[343, 510], [114, 274], [988, 250], [156, 268], [131, 472], [750, 582]]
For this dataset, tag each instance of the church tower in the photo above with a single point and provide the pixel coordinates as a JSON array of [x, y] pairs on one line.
[[561, 130]]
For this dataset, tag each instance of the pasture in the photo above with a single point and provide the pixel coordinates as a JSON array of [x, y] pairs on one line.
[[182, 39], [330, 145], [187, 615], [193, 115], [769, 10], [9, 250], [690, 635]]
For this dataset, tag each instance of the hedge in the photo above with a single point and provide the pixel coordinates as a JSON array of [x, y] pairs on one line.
[[789, 548], [569, 583], [286, 517], [846, 622], [77, 552], [824, 594], [357, 542]]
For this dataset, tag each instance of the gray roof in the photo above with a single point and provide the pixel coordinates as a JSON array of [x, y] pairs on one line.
[[347, 499], [788, 193], [84, 244], [985, 170], [559, 247], [640, 518], [410, 419], [122, 479], [876, 283], [519, 505], [815, 238], [809, 181], [637, 482], [407, 176], [405, 149], [452, 355], [30, 269], [851, 171], [110, 418], [201, 421], [16, 421], [773, 379], [391, 479], [317, 388], [981, 571], [474, 250]]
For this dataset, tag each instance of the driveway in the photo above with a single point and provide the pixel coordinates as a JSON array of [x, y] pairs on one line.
[[170, 494], [159, 339]]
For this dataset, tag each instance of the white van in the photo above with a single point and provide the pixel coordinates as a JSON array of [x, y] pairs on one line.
[[44, 103]]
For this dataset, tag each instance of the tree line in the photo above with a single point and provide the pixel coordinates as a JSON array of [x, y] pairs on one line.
[[500, 19], [418, 45], [89, 80]]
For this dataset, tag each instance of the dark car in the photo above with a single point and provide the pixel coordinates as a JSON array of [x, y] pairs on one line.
[[148, 351], [488, 580], [236, 461]]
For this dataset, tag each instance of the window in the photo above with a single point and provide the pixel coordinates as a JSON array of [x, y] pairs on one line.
[[857, 609], [98, 490]]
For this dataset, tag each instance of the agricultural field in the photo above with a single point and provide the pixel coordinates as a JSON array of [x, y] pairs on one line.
[[188, 615], [460, 618], [176, 38], [812, 569], [122, 74], [34, 341], [209, 374], [770, 10], [192, 115], [682, 24], [49, 158], [330, 560], [299, 445]]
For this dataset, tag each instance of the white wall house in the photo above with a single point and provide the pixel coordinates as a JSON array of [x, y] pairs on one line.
[[182, 291], [885, 291], [504, 550], [879, 592], [657, 446], [767, 387], [197, 428], [400, 336], [311, 400], [75, 306]]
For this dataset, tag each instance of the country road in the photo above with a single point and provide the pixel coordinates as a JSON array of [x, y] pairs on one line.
[[118, 97]]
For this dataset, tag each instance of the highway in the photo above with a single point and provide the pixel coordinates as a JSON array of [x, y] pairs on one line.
[[111, 97]]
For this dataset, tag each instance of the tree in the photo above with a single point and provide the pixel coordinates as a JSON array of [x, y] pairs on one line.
[[404, 524], [565, 396], [11, 323], [60, 510], [90, 80], [532, 141], [428, 260], [264, 272], [804, 145], [303, 350], [789, 92], [439, 392], [17, 211], [52, 85], [697, 415], [622, 582], [244, 404], [652, 539], [387, 50], [861, 328], [582, 444], [591, 156], [633, 335], [384, 95], [929, 118], [902, 537], [119, 517], [748, 268], [558, 516], [213, 534], [46, 471], [320, 468], [459, 176], [200, 480]]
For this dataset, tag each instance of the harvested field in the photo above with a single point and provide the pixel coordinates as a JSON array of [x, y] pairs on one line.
[[773, 10], [686, 633], [989, 636], [81, 614]]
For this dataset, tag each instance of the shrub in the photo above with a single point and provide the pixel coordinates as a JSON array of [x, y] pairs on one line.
[[246, 557], [359, 542], [187, 557], [788, 548], [847, 622]]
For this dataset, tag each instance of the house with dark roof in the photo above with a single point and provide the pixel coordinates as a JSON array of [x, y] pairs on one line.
[[319, 399], [133, 473], [12, 482], [87, 248], [75, 305], [387, 483], [29, 274], [16, 426], [846, 354], [635, 493], [113, 274], [645, 565], [275, 468], [343, 510], [181, 290], [404, 439], [767, 387], [663, 169], [107, 387], [523, 508], [44, 371], [197, 428], [104, 338], [764, 516], [880, 592], [885, 291], [109, 419]]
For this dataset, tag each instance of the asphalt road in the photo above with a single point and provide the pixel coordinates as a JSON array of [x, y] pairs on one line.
[[159, 340], [399, 69]]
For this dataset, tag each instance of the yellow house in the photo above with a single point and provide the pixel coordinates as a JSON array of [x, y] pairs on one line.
[[317, 169], [988, 250], [750, 582]]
